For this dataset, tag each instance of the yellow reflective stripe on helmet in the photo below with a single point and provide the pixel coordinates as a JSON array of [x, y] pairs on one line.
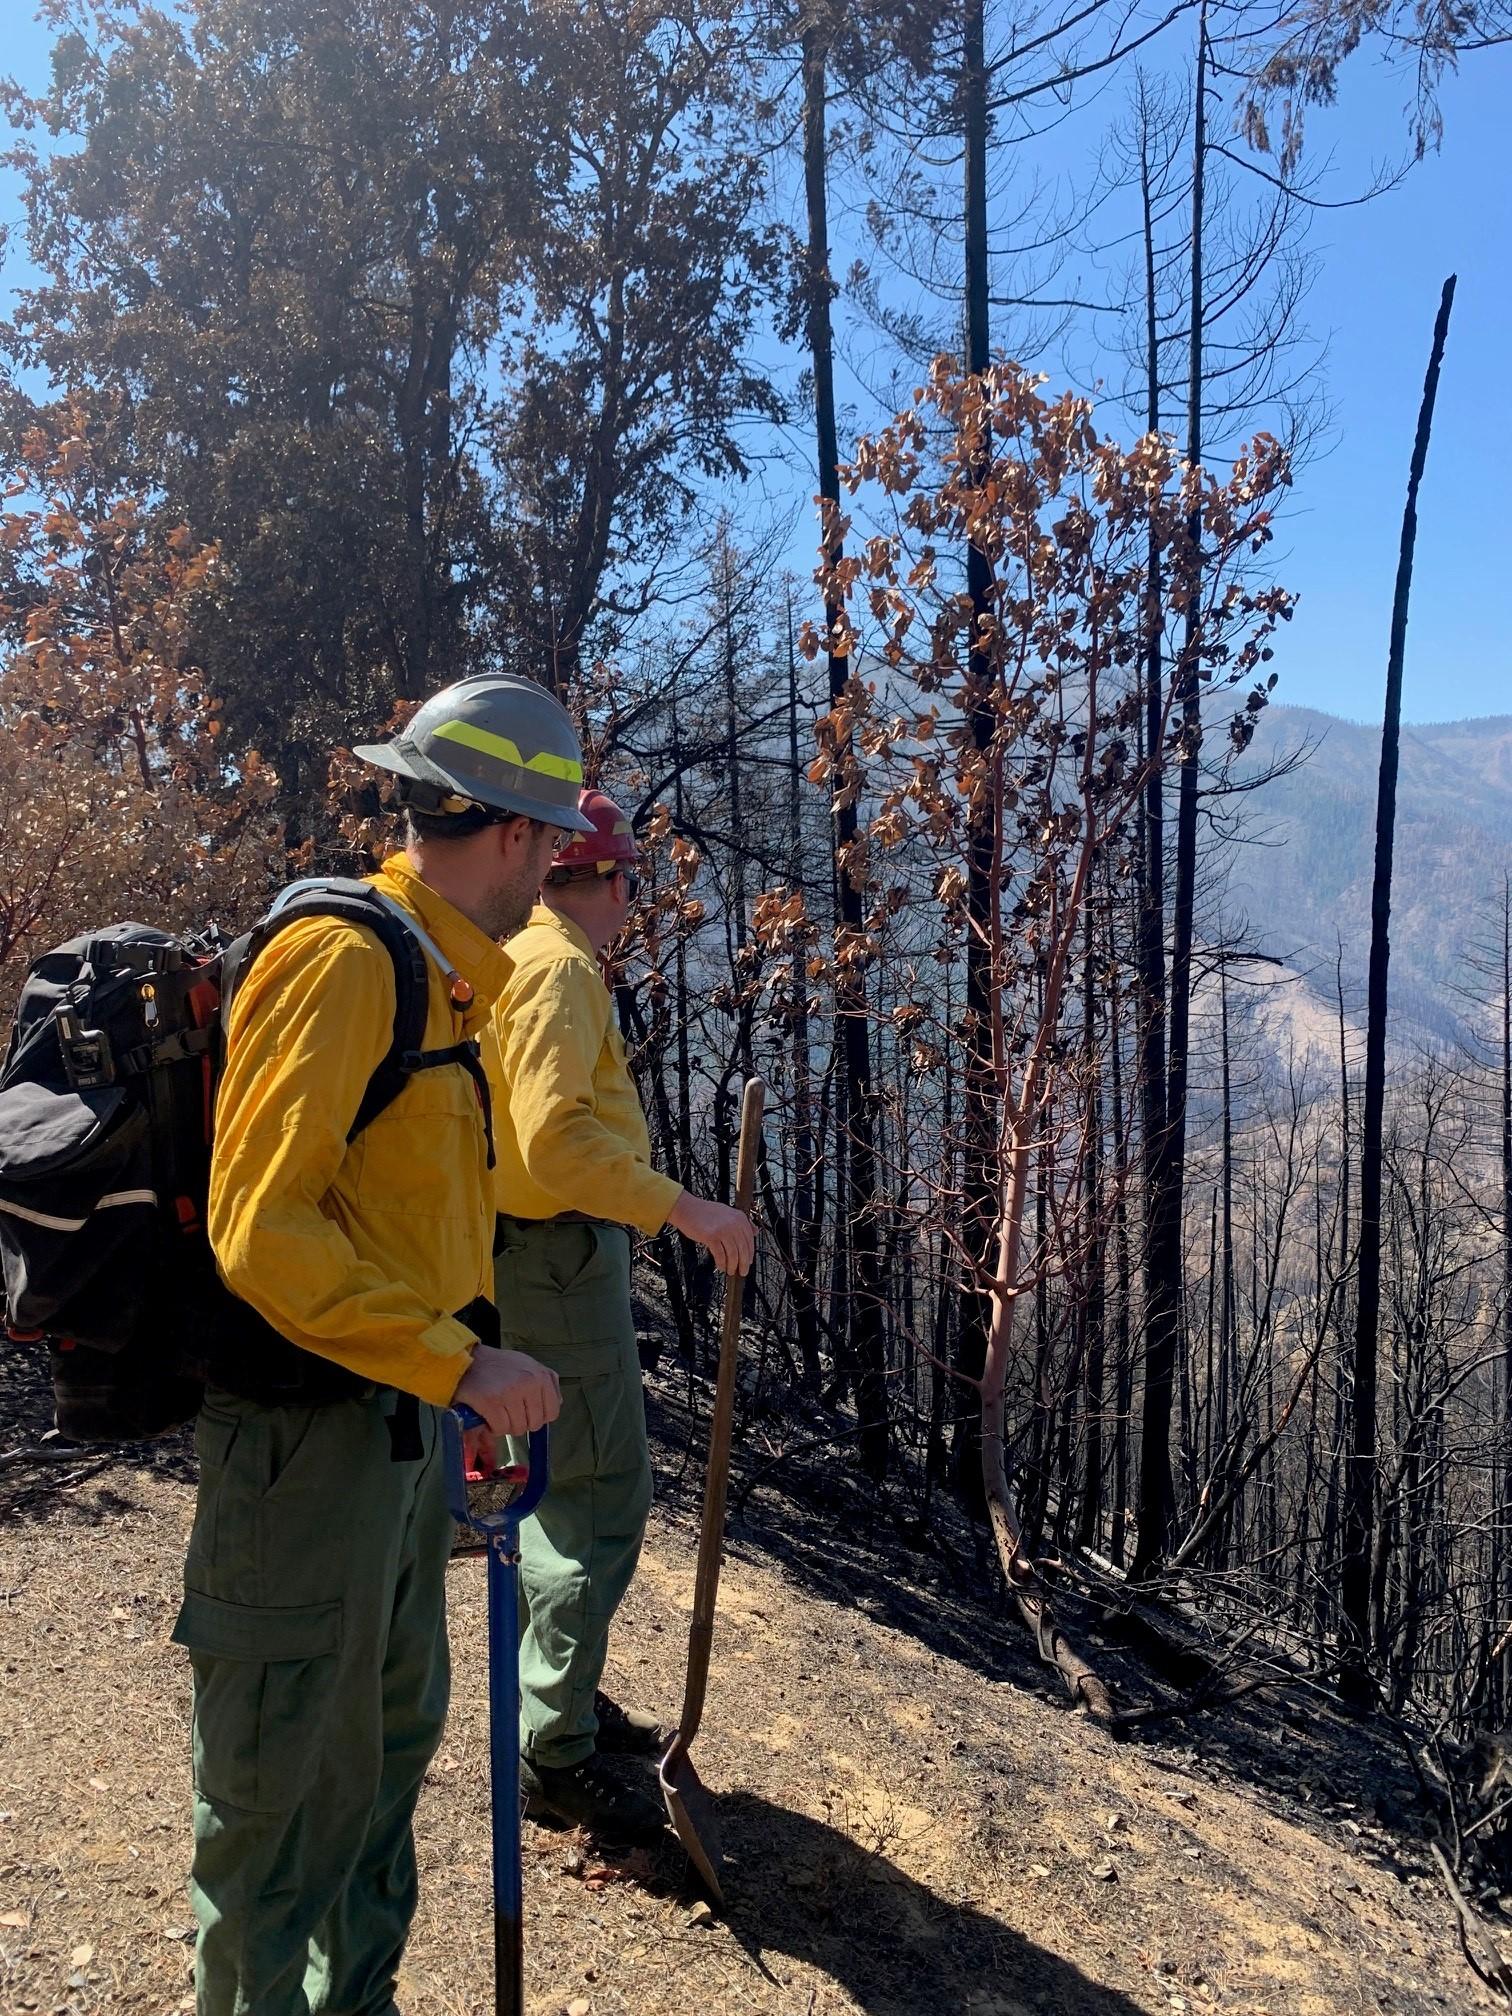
[[489, 744]]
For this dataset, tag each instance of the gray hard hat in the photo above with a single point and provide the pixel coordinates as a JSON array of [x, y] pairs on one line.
[[492, 740]]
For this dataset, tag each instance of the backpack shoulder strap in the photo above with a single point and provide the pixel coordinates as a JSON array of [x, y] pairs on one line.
[[352, 902]]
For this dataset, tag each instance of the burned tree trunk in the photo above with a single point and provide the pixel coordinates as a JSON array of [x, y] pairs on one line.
[[865, 1297], [1356, 1680]]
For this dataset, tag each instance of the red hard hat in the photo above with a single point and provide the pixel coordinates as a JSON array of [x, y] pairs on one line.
[[610, 843]]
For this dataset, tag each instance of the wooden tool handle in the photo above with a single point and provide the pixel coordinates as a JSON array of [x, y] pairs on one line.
[[716, 1484]]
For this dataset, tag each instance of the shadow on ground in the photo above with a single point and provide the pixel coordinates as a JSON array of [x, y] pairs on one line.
[[817, 1522], [820, 1524], [41, 1476], [799, 1890]]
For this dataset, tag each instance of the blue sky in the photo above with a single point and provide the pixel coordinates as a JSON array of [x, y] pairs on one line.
[[1376, 296], [1380, 270]]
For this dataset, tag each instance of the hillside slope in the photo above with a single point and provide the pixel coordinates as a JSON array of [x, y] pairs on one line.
[[916, 1821], [1307, 882]]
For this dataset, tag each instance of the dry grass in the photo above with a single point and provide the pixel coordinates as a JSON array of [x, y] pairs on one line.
[[911, 1828]]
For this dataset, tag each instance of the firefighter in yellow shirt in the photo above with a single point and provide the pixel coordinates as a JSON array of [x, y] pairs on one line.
[[574, 1174], [314, 1608]]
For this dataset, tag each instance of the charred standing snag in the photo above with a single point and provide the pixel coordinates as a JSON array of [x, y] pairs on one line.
[[1360, 1477]]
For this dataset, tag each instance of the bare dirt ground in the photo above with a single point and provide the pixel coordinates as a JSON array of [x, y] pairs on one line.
[[915, 1821]]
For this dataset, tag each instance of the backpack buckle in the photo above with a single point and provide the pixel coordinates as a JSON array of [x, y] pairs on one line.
[[105, 956], [88, 1062]]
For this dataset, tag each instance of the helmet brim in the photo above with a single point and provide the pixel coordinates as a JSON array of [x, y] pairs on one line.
[[386, 756], [569, 822], [401, 762]]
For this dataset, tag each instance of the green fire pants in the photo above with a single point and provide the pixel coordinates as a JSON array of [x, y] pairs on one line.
[[563, 1291], [315, 1619]]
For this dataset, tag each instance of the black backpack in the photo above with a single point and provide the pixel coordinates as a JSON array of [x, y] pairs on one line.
[[107, 1102]]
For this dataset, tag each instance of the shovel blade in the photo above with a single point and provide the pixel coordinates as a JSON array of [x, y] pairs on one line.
[[691, 1811]]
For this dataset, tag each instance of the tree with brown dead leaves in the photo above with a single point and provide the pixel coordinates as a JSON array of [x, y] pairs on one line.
[[1067, 522], [117, 794]]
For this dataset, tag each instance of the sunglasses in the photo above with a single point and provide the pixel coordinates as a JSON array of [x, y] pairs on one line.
[[632, 883]]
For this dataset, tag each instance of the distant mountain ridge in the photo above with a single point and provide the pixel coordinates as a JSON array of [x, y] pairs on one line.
[[1304, 881]]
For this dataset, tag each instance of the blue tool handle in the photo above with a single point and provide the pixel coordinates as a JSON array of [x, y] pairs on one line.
[[502, 1529], [504, 1768]]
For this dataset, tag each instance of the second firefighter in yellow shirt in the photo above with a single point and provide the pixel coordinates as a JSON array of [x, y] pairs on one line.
[[574, 1174]]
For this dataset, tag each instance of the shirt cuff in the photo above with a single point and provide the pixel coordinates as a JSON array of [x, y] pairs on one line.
[[448, 1347], [652, 1204]]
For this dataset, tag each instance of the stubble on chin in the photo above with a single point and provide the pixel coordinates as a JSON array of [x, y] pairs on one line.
[[510, 911]]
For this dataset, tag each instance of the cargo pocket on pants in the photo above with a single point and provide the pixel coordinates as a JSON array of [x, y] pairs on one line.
[[263, 1685]]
